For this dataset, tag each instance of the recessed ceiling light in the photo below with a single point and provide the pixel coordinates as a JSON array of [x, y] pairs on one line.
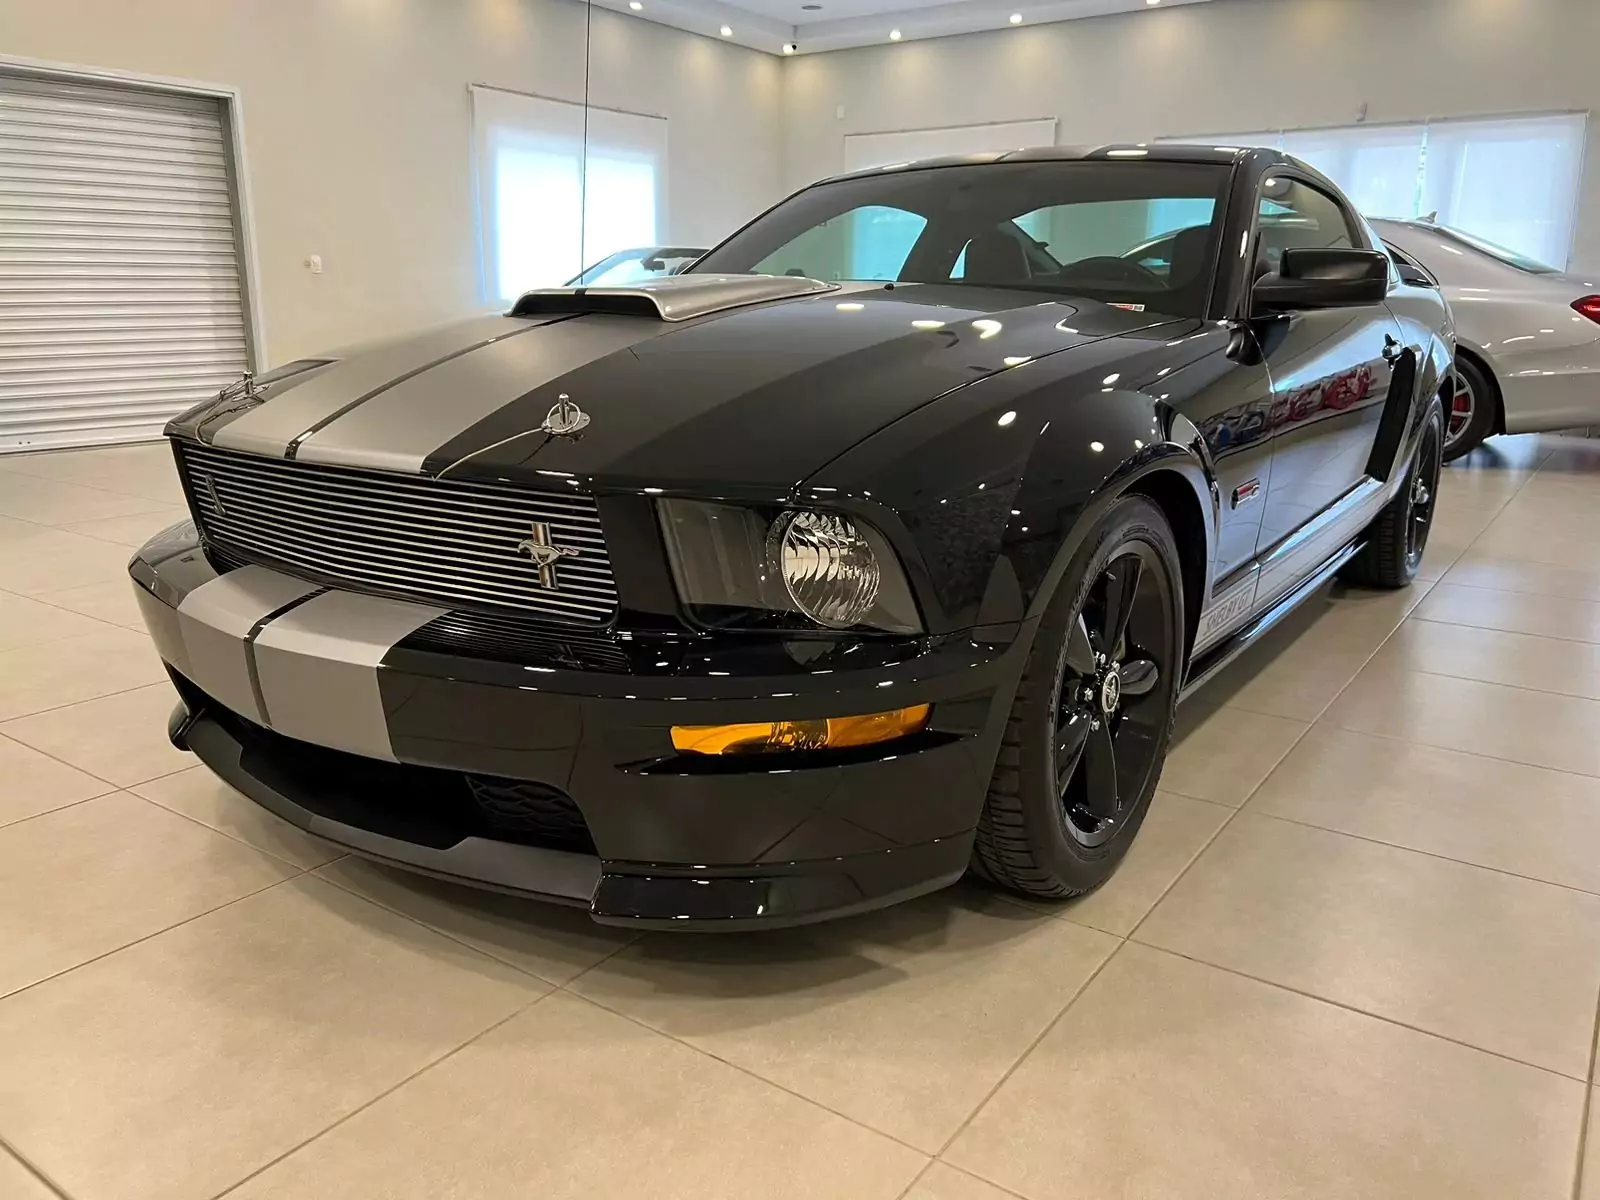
[[1016, 18], [725, 31], [635, 5], [894, 35], [1152, 3]]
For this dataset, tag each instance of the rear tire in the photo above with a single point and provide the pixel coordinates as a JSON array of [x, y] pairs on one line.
[[1398, 536], [1090, 724], [1470, 415]]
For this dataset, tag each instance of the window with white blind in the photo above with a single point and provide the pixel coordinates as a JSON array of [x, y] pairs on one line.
[[121, 301], [559, 189], [1510, 180]]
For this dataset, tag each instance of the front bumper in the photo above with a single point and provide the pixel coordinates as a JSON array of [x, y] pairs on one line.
[[345, 715]]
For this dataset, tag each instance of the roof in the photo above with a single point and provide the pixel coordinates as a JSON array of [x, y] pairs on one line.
[[1155, 152]]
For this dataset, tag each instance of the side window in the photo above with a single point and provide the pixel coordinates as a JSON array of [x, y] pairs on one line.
[[872, 242], [1292, 215]]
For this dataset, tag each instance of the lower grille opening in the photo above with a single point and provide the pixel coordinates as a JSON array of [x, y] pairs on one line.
[[428, 806]]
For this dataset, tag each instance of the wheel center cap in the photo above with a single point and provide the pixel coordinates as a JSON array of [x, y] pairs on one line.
[[1110, 690]]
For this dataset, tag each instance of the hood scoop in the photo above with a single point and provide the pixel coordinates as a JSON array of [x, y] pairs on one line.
[[673, 298]]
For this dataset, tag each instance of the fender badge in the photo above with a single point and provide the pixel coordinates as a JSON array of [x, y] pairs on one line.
[[565, 418]]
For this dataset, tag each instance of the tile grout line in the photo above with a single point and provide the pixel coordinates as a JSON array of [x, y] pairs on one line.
[[386, 1092], [1362, 1012], [1549, 637], [743, 1070], [58, 809], [1519, 762], [446, 934], [1433, 854], [1028, 1051], [33, 1168], [86, 700], [238, 841], [1588, 1108], [5, 996], [932, 1162], [110, 785]]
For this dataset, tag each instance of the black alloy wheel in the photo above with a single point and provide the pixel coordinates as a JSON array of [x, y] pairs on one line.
[[1111, 701], [1394, 543], [1422, 495], [1089, 727]]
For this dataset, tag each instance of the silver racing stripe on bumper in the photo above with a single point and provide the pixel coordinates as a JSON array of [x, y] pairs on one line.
[[287, 654], [216, 622], [273, 427], [318, 668], [398, 429]]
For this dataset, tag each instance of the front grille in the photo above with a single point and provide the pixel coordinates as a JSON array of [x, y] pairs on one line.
[[442, 541], [515, 639]]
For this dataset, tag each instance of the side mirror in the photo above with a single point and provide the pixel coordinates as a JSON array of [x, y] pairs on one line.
[[1315, 278]]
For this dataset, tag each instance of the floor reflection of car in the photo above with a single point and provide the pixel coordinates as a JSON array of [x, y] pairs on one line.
[[1528, 335], [637, 265]]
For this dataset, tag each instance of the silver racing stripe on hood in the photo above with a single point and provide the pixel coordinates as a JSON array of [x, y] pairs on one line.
[[273, 427], [400, 427]]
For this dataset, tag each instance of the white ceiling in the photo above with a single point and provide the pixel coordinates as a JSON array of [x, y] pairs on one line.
[[840, 24]]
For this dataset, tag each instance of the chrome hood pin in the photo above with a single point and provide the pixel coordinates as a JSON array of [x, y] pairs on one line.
[[565, 419]]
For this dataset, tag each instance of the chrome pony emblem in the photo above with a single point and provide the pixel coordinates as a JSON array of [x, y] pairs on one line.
[[565, 419], [544, 554]]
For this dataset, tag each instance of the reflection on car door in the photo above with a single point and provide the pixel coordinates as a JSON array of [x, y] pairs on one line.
[[1330, 377]]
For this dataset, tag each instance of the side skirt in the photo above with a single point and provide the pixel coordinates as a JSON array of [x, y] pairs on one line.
[[1206, 666]]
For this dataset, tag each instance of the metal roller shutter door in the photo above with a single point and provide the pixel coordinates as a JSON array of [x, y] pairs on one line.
[[120, 292]]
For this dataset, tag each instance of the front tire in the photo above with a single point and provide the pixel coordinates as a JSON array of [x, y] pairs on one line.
[[1092, 717], [1398, 536]]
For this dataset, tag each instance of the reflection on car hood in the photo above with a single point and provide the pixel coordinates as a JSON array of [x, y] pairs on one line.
[[760, 395]]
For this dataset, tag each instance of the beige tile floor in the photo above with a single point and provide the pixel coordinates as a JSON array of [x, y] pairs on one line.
[[1355, 952]]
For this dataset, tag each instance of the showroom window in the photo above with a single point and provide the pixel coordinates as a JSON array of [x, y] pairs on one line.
[[1512, 181], [559, 190]]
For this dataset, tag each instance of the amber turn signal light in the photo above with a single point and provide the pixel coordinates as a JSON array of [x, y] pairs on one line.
[[831, 733]]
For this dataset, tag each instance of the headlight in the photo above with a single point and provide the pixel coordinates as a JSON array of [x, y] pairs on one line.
[[738, 566], [827, 567]]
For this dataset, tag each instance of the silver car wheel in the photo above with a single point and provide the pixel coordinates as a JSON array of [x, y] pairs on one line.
[[1462, 405]]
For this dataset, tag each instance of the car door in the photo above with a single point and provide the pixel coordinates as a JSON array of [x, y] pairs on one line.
[[1331, 372]]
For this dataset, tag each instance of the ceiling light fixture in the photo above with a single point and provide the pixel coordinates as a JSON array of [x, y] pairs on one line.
[[725, 31], [894, 35], [789, 47], [1152, 3], [1016, 18], [635, 5]]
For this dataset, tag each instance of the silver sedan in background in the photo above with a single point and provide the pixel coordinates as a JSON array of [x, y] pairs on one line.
[[1528, 353]]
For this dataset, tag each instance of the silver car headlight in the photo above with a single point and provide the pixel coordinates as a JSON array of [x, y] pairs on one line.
[[798, 569]]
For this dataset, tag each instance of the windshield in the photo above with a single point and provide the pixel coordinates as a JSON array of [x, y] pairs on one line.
[[1080, 228], [1510, 257], [635, 266]]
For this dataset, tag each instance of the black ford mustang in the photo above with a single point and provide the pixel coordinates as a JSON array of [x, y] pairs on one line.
[[878, 546]]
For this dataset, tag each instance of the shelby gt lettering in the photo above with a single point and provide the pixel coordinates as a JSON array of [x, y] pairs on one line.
[[877, 547]]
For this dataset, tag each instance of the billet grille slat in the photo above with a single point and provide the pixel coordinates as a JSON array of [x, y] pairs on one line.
[[441, 541]]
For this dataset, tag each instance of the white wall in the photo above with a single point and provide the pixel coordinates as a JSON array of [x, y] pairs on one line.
[[1225, 66], [358, 131]]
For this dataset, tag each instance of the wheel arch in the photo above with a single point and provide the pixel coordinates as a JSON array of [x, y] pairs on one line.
[[1485, 366], [1177, 480], [1169, 491]]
